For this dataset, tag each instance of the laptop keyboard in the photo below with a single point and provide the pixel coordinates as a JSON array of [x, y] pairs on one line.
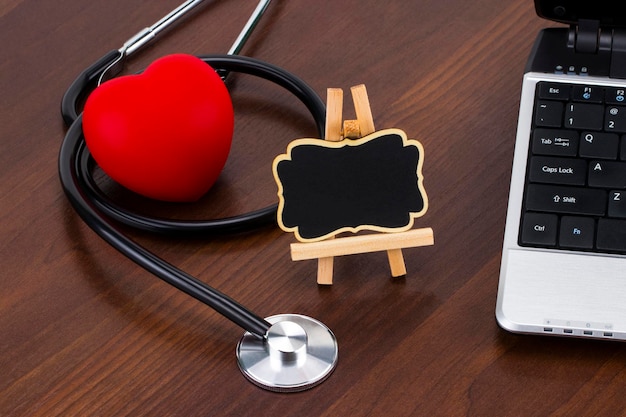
[[575, 195]]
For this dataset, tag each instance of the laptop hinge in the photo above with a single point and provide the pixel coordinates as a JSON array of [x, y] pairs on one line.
[[618, 54], [585, 36]]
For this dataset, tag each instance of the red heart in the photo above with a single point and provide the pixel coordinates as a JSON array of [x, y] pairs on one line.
[[164, 133]]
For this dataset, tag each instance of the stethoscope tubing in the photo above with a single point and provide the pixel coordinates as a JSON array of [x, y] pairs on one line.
[[73, 184], [82, 84], [103, 216], [256, 218]]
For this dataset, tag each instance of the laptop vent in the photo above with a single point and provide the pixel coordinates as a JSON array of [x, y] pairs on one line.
[[573, 332]]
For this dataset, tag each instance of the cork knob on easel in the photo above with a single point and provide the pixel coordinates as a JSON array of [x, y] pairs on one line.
[[338, 129]]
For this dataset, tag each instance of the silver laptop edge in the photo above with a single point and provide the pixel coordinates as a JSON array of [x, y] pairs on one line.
[[555, 292]]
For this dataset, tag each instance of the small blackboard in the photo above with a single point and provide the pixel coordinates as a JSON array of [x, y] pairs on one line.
[[373, 183]]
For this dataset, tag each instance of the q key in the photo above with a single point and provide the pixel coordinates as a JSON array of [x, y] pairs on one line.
[[599, 145]]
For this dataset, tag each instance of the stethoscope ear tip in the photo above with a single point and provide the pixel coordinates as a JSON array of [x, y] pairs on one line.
[[297, 353]]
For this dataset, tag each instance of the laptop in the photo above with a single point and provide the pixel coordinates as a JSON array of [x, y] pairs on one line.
[[563, 269]]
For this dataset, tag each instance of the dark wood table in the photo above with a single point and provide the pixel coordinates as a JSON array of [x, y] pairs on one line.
[[86, 332]]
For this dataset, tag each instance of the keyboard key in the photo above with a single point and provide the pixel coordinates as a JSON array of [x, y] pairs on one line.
[[607, 174], [549, 113], [584, 116], [539, 229], [557, 142], [611, 235], [615, 95], [577, 232], [588, 94], [617, 204], [566, 200], [615, 119], [622, 154], [555, 91], [599, 145], [553, 170]]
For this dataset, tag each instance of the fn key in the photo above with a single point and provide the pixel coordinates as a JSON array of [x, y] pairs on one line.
[[539, 229]]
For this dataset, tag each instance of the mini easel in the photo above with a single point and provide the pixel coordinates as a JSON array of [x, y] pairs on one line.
[[393, 243]]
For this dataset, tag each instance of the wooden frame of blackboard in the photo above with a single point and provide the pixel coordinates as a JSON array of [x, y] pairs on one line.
[[341, 144]]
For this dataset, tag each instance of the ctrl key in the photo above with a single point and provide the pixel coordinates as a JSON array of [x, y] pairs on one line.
[[539, 229]]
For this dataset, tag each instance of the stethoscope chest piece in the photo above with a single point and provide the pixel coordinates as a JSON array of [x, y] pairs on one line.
[[297, 353]]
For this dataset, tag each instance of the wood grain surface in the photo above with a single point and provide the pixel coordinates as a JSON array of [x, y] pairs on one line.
[[85, 332]]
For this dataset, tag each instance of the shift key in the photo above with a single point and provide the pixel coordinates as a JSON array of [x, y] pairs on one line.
[[568, 200]]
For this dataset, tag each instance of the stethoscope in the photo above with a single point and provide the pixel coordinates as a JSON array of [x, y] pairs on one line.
[[286, 352]]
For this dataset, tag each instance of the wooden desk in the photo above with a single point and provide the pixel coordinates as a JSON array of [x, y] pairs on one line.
[[85, 332]]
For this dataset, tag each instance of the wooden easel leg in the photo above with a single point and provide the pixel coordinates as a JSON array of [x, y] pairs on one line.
[[363, 109], [396, 263], [334, 109], [325, 271]]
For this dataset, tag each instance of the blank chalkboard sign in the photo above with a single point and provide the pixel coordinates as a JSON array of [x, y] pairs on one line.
[[373, 183]]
